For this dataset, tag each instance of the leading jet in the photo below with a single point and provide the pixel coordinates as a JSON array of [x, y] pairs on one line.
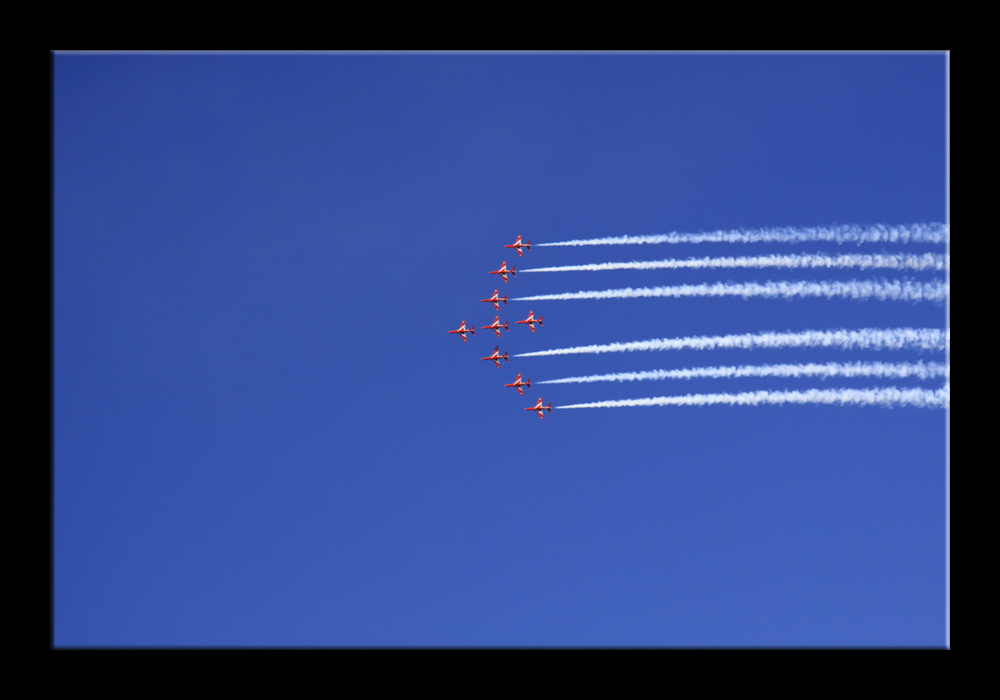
[[462, 330], [503, 271], [539, 408], [496, 356], [496, 299], [517, 245]]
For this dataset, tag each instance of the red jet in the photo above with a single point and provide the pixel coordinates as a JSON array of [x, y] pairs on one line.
[[496, 326], [539, 408], [503, 271], [531, 321], [496, 299], [518, 245], [462, 330], [518, 384], [496, 356]]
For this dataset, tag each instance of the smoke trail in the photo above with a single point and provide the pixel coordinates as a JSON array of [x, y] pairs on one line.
[[927, 261], [830, 369], [896, 290], [889, 396], [865, 338], [915, 233]]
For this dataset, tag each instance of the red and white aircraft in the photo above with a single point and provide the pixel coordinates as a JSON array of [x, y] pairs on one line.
[[462, 330], [496, 326], [531, 321], [539, 408], [518, 384], [495, 299], [503, 271], [518, 245], [496, 356]]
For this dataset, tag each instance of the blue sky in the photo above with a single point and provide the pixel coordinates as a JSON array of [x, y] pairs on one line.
[[263, 434]]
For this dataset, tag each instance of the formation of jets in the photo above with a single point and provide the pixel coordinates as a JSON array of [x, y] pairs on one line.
[[463, 331]]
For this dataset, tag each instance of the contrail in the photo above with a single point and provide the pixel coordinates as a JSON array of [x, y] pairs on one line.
[[914, 233], [918, 370], [889, 396], [927, 261], [895, 290], [864, 338]]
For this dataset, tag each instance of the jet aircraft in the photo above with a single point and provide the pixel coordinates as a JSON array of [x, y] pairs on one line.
[[539, 408], [462, 330], [496, 356], [518, 384], [531, 321], [518, 245], [495, 299], [496, 326], [503, 271]]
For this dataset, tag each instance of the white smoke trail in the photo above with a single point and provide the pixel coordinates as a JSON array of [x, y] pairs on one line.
[[927, 261], [864, 338], [896, 290], [914, 233], [831, 369], [889, 396]]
